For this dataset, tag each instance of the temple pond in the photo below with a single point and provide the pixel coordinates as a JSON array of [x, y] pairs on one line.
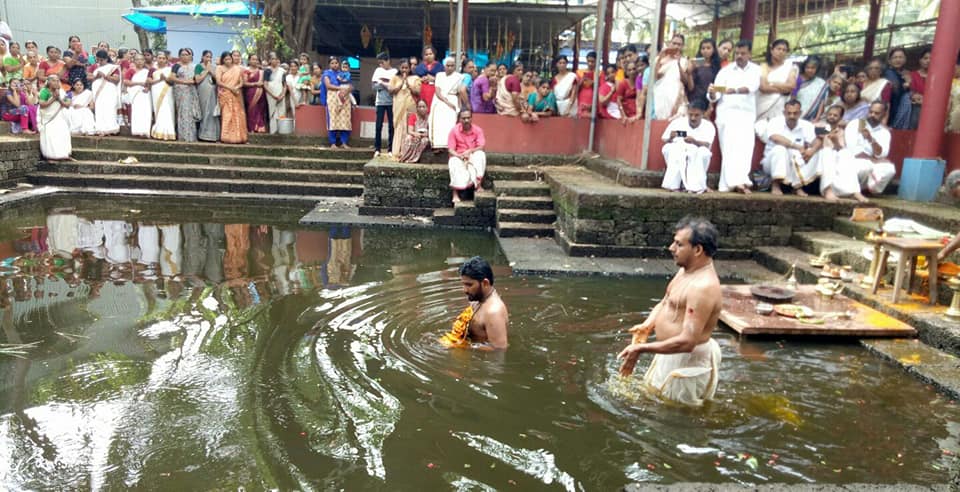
[[189, 348]]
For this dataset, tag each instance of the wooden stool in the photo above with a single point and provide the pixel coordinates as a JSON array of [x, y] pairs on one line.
[[908, 248]]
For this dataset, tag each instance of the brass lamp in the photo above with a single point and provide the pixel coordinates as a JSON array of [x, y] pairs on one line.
[[867, 281], [954, 310]]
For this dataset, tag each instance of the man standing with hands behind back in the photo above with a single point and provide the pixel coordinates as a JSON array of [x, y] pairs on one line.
[[735, 91]]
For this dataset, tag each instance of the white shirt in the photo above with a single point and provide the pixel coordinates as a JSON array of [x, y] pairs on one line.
[[734, 77], [705, 132], [857, 144], [803, 133]]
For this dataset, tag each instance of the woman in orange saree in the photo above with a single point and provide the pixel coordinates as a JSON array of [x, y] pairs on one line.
[[233, 119]]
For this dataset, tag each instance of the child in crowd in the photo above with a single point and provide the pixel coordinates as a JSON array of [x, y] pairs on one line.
[[304, 82], [344, 78]]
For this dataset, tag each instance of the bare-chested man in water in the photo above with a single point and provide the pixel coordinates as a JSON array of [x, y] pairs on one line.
[[488, 327], [686, 366]]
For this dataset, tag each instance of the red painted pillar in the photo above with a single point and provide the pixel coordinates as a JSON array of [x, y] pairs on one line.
[[576, 46], [749, 22], [662, 24], [936, 95], [774, 19], [607, 32], [872, 22]]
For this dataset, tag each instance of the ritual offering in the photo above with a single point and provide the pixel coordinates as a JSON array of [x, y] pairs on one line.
[[831, 272], [764, 308], [772, 294], [793, 311], [457, 337]]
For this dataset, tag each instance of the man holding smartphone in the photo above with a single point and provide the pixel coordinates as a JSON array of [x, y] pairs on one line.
[[686, 149], [384, 100]]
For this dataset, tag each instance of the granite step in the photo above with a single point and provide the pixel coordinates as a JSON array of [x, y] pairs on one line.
[[149, 145], [174, 183], [203, 171], [221, 159], [839, 248], [521, 188], [522, 229], [525, 202], [526, 216]]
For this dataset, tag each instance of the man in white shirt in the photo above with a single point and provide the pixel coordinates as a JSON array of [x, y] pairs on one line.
[[835, 179], [867, 145], [791, 144], [384, 101], [686, 149], [735, 89]]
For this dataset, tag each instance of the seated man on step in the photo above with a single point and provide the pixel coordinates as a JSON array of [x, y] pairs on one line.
[[686, 149], [467, 160], [835, 180], [791, 145], [867, 147]]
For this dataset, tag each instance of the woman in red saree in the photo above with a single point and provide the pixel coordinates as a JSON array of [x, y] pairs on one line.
[[254, 96], [233, 120]]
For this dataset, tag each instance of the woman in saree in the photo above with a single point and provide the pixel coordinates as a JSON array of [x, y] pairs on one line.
[[185, 96], [703, 72], [834, 95], [137, 81], [446, 104], [275, 88], [812, 91], [416, 136], [854, 105], [918, 86], [564, 83], [898, 78], [338, 106], [585, 87], [292, 79], [233, 120], [540, 104], [82, 121], [53, 65], [778, 79], [53, 122], [20, 108], [404, 87], [878, 88], [164, 125], [106, 94], [669, 90], [254, 96], [207, 93], [428, 71]]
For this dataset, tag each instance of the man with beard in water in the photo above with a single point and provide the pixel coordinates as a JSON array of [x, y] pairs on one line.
[[483, 324], [686, 367]]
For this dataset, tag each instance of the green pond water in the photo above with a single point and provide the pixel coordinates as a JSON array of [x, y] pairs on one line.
[[240, 350]]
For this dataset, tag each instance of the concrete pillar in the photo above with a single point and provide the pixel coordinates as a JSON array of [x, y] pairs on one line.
[[576, 46], [607, 31], [661, 25], [936, 97], [748, 24], [774, 19]]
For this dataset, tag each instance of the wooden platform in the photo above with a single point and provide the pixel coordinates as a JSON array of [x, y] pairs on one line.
[[739, 314]]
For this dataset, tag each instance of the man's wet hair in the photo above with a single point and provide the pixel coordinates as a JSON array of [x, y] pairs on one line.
[[702, 233], [478, 269]]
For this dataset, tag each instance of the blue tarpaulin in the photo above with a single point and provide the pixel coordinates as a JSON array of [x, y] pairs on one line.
[[227, 9], [147, 22]]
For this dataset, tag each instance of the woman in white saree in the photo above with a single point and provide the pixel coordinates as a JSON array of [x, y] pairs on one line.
[[778, 80], [106, 94], [446, 104], [673, 77], [82, 121], [164, 126], [137, 81], [53, 122], [564, 84], [276, 92]]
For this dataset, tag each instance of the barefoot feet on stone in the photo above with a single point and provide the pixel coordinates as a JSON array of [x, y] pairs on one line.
[[829, 195], [800, 192]]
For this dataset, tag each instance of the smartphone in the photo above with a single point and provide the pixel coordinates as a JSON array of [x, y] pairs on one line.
[[863, 124], [682, 133]]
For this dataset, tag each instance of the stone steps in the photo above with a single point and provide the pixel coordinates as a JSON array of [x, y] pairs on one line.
[[525, 203], [176, 183], [202, 171], [116, 143], [524, 229], [528, 216], [521, 188], [216, 158]]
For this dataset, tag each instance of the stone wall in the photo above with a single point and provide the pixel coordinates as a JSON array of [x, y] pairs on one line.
[[18, 157], [613, 221], [402, 185]]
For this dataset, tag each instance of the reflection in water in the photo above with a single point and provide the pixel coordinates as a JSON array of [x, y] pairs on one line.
[[182, 354]]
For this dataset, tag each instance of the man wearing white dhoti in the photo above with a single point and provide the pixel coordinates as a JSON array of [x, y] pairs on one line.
[[53, 122], [835, 179], [467, 160], [446, 104], [867, 146], [791, 144], [735, 91], [686, 368], [686, 149]]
